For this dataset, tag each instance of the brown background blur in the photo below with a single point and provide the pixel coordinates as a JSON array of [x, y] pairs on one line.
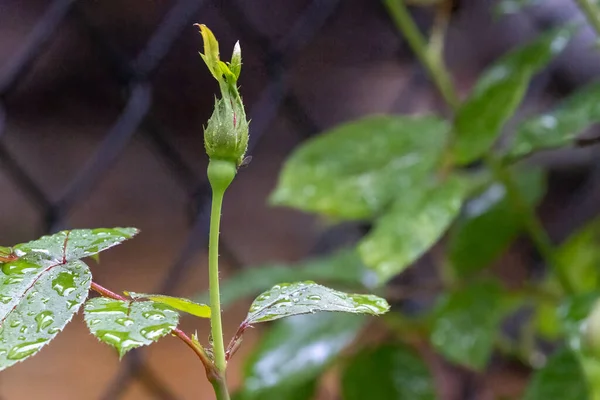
[[341, 61]]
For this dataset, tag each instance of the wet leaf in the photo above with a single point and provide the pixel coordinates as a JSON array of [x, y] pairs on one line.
[[287, 299], [72, 245], [387, 372], [357, 169], [178, 303], [35, 305], [343, 268], [579, 256], [295, 352], [126, 325], [489, 222], [413, 225], [466, 323], [561, 379], [574, 313], [44, 286], [560, 127], [499, 92]]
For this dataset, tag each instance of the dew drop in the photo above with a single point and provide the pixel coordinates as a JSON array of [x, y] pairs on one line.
[[121, 340], [23, 350], [11, 280], [44, 320], [19, 267], [155, 332], [64, 283], [153, 315], [124, 321]]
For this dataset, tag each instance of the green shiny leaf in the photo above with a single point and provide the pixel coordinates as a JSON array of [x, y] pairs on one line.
[[574, 313], [562, 378], [72, 245], [178, 303], [296, 351], [560, 127], [36, 303], [466, 323], [357, 169], [547, 322], [499, 92], [387, 372], [44, 286], [343, 268], [489, 222], [579, 256], [414, 224], [211, 53], [287, 299], [126, 325]]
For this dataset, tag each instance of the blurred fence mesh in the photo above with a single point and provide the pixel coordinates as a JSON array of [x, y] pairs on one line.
[[135, 77]]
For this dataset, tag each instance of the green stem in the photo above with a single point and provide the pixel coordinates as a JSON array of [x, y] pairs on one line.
[[534, 227], [220, 388], [592, 13], [213, 272], [441, 78], [430, 60], [220, 176]]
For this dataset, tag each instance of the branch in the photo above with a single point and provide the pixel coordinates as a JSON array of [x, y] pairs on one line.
[[208, 365]]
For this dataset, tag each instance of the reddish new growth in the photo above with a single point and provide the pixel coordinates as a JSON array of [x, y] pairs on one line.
[[8, 257]]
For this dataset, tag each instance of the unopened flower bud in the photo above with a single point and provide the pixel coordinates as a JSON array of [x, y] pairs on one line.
[[226, 134]]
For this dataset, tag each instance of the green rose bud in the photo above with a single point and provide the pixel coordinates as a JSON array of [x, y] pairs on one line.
[[226, 134]]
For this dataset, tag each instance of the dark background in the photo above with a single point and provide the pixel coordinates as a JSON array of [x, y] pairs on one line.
[[101, 112]]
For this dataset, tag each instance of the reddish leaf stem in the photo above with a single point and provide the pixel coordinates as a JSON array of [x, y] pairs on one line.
[[211, 373]]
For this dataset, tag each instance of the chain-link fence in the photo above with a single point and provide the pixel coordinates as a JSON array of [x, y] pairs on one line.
[[135, 77]]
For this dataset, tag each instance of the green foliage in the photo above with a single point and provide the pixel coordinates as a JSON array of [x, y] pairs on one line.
[[413, 225], [287, 299], [126, 325], [44, 286], [387, 372], [405, 177], [490, 222], [560, 127], [226, 133], [295, 352], [579, 256], [499, 92], [466, 324], [573, 314], [356, 170], [562, 378], [178, 303]]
